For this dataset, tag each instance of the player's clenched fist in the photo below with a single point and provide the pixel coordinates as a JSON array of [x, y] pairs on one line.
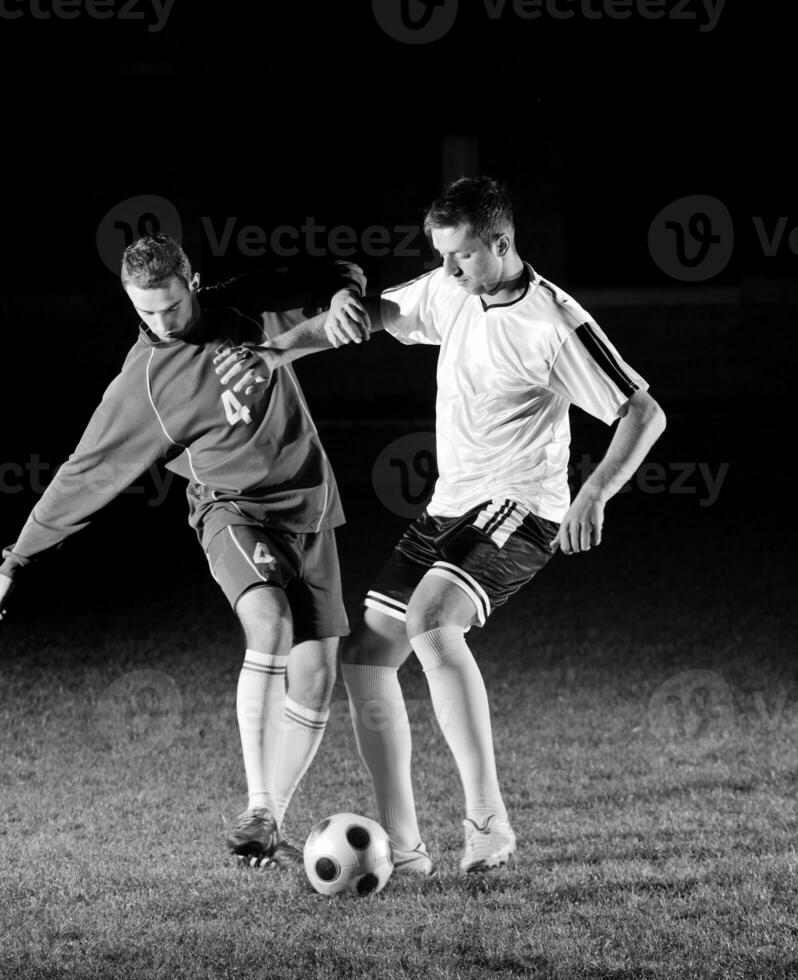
[[255, 365], [6, 585], [347, 320], [581, 527]]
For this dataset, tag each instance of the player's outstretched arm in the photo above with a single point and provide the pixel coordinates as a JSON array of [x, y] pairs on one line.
[[6, 586], [254, 365], [357, 325], [349, 320], [641, 424]]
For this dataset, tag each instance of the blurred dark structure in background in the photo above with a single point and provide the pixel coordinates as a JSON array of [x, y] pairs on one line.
[[309, 116]]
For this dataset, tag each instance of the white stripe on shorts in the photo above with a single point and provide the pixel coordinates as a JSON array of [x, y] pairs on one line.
[[468, 584], [510, 524], [499, 519], [488, 513], [386, 604]]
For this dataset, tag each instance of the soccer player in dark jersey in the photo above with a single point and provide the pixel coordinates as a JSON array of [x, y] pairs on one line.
[[207, 389]]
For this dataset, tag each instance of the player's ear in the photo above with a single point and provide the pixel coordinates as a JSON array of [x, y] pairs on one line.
[[502, 244], [193, 286]]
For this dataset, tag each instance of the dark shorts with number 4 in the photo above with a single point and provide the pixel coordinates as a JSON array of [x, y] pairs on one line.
[[243, 557], [490, 552]]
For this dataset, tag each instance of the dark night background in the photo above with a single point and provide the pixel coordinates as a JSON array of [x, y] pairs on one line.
[[273, 113]]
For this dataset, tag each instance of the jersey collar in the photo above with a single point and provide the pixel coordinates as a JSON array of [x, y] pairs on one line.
[[531, 281], [152, 341]]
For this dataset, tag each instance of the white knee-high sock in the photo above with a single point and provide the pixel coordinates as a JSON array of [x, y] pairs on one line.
[[461, 707], [302, 730], [259, 703], [382, 733]]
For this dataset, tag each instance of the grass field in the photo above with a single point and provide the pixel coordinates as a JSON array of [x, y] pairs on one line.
[[655, 807]]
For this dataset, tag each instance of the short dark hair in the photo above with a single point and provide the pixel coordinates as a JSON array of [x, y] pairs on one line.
[[481, 202], [153, 259]]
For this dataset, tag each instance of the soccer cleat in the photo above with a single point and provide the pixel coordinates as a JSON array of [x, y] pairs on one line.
[[417, 861], [254, 836], [488, 846], [253, 862], [286, 856]]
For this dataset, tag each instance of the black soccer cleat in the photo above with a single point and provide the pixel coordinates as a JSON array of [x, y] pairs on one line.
[[254, 836]]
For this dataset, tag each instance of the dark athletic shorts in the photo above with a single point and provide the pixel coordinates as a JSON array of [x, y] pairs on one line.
[[244, 557], [490, 552]]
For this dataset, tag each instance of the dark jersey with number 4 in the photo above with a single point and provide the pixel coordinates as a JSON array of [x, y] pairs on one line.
[[248, 458]]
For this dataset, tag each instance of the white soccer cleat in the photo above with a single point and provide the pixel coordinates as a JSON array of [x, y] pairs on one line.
[[488, 846], [417, 861]]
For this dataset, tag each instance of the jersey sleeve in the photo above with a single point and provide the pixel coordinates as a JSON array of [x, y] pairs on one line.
[[590, 372], [304, 285], [123, 438], [410, 312]]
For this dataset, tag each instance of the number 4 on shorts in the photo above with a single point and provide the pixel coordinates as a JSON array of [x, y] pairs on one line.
[[234, 410]]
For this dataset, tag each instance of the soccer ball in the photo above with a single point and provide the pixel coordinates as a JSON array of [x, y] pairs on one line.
[[348, 853]]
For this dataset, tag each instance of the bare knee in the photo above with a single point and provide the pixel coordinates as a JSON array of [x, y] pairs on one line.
[[266, 620], [312, 668], [436, 602], [423, 616], [376, 640]]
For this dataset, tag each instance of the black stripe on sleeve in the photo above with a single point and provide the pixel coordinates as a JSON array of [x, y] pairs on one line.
[[605, 360]]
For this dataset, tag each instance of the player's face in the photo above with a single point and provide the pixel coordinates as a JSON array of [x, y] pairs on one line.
[[167, 311], [473, 265]]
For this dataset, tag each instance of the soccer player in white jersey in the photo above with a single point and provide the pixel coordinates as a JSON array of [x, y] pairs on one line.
[[516, 352]]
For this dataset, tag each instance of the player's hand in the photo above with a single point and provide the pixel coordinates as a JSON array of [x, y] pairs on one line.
[[6, 585], [581, 527], [255, 365], [347, 322]]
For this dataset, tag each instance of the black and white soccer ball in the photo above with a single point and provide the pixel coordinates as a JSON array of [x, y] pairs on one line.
[[348, 853]]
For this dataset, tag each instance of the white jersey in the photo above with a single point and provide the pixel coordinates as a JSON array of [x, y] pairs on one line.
[[506, 377]]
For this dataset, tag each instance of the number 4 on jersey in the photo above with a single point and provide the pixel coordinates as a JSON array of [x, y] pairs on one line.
[[234, 410]]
